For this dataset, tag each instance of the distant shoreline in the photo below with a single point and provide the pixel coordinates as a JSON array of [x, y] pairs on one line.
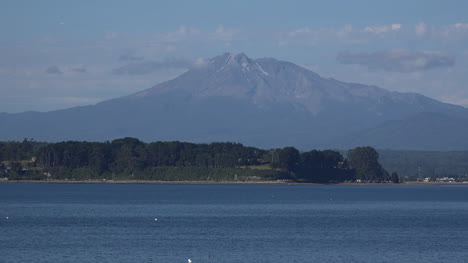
[[218, 182]]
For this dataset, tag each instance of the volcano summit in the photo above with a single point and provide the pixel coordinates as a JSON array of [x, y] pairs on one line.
[[261, 102]]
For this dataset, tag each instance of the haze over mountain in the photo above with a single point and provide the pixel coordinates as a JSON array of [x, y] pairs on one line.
[[263, 102]]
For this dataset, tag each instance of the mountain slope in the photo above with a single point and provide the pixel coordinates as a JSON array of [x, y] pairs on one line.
[[263, 102], [423, 131]]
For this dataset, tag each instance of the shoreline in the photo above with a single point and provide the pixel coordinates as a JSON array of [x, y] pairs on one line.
[[220, 182]]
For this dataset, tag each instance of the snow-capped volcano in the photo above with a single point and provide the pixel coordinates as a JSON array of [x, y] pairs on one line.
[[263, 102]]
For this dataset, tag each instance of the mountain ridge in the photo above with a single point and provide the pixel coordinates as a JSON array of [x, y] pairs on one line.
[[261, 102]]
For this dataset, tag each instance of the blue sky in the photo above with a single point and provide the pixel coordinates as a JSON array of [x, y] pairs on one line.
[[59, 54]]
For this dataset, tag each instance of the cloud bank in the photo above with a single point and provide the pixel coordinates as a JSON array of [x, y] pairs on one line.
[[399, 33], [54, 70], [130, 57], [147, 67], [79, 70], [398, 60]]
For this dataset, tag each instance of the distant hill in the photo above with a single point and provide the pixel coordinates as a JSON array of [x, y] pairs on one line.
[[423, 131], [263, 102], [425, 163]]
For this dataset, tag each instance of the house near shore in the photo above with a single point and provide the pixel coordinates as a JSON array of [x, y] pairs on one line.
[[445, 180]]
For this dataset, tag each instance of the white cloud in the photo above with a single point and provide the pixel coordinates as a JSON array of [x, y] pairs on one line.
[[111, 36], [226, 34], [420, 29], [378, 29], [183, 33], [455, 32], [345, 31], [310, 36], [396, 27], [461, 26]]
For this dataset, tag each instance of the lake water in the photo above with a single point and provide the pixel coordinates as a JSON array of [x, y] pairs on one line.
[[232, 223]]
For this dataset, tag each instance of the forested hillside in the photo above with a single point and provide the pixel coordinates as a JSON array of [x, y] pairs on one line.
[[132, 159], [413, 164]]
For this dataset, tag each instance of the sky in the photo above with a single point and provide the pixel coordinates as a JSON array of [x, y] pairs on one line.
[[61, 54]]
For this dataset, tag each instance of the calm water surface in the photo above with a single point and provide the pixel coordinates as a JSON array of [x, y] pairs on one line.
[[232, 223]]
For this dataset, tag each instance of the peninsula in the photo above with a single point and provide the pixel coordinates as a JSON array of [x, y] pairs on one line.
[[129, 159]]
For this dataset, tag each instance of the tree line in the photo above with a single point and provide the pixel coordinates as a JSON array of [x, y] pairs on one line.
[[132, 159]]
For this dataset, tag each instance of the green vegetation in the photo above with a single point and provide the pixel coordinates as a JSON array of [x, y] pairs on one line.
[[131, 159], [365, 161], [313, 166], [426, 164]]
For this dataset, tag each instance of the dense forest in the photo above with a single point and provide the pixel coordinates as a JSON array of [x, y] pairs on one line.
[[132, 159]]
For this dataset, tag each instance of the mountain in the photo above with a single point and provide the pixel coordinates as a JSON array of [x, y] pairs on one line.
[[423, 131], [263, 102]]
